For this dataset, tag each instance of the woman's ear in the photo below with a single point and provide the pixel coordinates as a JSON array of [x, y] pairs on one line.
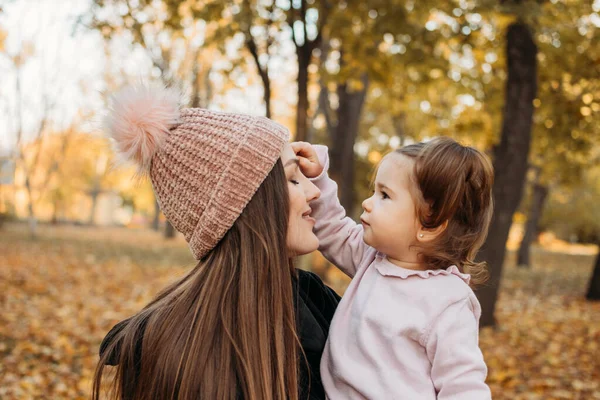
[[425, 235]]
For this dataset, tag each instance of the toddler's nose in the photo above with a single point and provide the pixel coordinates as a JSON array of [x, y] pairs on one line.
[[366, 205]]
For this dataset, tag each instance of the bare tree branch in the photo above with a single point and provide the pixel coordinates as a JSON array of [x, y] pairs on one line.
[[262, 70], [303, 17]]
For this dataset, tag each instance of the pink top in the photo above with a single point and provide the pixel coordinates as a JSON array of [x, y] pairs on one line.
[[397, 333]]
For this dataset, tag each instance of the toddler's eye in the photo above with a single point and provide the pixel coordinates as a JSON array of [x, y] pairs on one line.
[[384, 195], [295, 182]]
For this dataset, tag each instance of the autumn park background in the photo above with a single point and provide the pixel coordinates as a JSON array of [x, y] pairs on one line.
[[83, 245]]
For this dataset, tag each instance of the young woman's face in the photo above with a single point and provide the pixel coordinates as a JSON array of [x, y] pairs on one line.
[[300, 236]]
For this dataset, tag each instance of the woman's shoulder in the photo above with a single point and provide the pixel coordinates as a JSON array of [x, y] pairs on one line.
[[317, 303], [307, 277], [312, 288]]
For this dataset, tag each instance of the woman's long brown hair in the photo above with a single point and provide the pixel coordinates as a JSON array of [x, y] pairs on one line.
[[227, 329]]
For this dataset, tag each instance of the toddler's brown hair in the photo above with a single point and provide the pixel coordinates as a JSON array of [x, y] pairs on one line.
[[454, 184]]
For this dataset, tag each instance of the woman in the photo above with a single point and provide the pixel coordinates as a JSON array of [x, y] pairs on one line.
[[244, 323]]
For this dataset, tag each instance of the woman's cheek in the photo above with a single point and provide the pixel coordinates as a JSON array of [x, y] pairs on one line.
[[294, 195]]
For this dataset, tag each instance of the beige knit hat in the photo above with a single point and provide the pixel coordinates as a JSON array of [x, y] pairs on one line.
[[205, 166]]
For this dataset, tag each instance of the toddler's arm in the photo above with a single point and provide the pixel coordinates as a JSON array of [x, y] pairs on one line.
[[458, 370], [340, 238]]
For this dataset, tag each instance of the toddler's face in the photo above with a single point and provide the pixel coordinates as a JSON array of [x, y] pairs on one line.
[[389, 219]]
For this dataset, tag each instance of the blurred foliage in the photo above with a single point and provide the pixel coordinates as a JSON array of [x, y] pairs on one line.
[[464, 98], [572, 211], [432, 69], [85, 166]]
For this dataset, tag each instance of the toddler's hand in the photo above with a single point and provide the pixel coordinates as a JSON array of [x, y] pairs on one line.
[[309, 161]]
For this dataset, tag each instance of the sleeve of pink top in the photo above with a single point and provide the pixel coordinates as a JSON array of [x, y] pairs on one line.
[[458, 370], [340, 238]]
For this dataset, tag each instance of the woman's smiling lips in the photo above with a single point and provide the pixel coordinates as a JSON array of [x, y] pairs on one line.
[[306, 216]]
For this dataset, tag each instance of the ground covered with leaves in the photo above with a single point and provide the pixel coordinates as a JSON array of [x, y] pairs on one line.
[[61, 293]]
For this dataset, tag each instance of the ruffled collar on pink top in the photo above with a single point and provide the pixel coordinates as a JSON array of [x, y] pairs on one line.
[[387, 268]]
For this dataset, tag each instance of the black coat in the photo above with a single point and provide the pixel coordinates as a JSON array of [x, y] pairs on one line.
[[316, 304]]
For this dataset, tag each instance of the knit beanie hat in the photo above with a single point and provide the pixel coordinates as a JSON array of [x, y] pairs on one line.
[[204, 166]]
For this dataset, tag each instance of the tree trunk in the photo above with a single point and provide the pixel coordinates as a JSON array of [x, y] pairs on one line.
[[345, 133], [94, 194], [54, 219], [208, 89], [155, 221], [169, 230], [593, 292], [267, 93], [262, 71], [30, 208], [33, 223], [538, 199], [198, 70], [399, 123], [323, 106], [510, 157], [304, 54], [196, 102]]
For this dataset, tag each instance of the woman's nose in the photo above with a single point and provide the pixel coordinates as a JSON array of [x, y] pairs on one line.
[[312, 192]]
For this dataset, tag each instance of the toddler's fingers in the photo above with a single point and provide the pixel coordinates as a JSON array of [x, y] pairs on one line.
[[305, 149], [304, 162], [309, 168], [297, 146], [301, 147]]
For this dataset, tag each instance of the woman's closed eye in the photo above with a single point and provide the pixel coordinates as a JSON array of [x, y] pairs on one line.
[[295, 178], [298, 176]]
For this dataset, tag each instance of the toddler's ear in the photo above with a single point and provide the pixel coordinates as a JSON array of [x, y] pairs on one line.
[[427, 235]]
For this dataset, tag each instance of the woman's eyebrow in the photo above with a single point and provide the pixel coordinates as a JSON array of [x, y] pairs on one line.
[[292, 161]]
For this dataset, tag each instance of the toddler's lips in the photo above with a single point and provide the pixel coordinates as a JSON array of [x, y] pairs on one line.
[[364, 222]]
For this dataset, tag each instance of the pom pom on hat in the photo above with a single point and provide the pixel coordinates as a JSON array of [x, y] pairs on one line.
[[139, 121]]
